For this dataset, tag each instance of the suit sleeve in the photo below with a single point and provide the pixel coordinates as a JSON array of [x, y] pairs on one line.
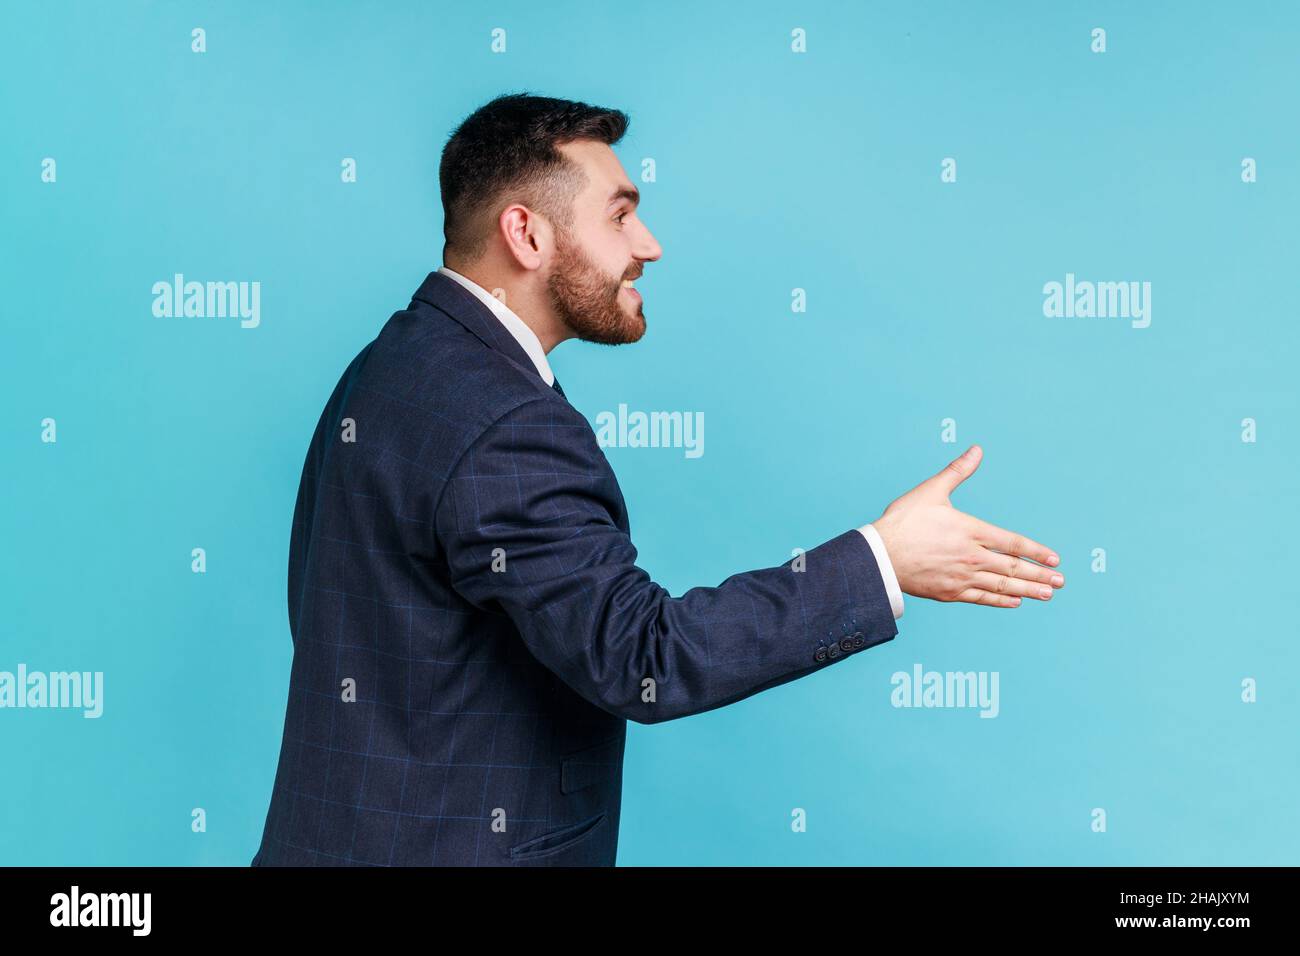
[[528, 524]]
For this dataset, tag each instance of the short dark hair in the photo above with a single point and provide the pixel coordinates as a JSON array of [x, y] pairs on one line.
[[505, 152]]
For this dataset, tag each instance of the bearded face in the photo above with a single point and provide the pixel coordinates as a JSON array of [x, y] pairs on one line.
[[594, 304]]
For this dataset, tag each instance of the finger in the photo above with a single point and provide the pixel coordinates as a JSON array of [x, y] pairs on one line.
[[980, 596], [1012, 566], [958, 470], [1006, 584], [1009, 542]]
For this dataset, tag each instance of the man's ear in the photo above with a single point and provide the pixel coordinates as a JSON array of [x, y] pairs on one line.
[[526, 234]]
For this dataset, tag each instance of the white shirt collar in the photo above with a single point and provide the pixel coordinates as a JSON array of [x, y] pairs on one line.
[[514, 325]]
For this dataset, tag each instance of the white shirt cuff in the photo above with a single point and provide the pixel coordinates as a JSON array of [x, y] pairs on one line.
[[886, 569]]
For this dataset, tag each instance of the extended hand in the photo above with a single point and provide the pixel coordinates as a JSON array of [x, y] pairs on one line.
[[943, 554]]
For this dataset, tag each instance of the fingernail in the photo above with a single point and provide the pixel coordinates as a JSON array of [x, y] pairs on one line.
[[1045, 592], [1058, 580], [1053, 559]]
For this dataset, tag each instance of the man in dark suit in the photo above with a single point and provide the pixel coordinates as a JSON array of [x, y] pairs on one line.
[[471, 631]]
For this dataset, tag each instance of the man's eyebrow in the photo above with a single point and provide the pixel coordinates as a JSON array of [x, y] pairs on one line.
[[625, 192]]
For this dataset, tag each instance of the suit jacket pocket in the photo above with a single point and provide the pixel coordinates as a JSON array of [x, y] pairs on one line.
[[557, 841], [593, 765]]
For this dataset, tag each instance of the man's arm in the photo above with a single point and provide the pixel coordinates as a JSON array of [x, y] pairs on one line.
[[534, 497]]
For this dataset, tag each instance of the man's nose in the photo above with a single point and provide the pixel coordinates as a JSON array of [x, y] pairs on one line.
[[648, 249]]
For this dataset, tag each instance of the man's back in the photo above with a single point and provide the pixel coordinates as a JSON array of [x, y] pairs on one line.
[[453, 720], [471, 633]]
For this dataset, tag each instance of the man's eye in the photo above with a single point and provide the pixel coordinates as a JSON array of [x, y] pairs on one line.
[[619, 218]]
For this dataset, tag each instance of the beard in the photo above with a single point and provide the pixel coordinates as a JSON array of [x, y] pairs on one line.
[[587, 300]]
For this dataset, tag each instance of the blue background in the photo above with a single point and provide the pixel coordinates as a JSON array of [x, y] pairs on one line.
[[775, 171]]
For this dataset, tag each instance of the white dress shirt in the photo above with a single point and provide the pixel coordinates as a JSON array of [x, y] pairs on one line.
[[533, 347]]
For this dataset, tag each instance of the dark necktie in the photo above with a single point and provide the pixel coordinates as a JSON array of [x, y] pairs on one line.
[[555, 384]]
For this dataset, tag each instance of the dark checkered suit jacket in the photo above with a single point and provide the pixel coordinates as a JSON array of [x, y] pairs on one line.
[[460, 559]]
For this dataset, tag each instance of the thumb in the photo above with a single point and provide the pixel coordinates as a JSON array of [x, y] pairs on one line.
[[959, 469]]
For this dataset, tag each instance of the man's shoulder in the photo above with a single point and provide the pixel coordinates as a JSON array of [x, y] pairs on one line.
[[426, 390], [434, 368]]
